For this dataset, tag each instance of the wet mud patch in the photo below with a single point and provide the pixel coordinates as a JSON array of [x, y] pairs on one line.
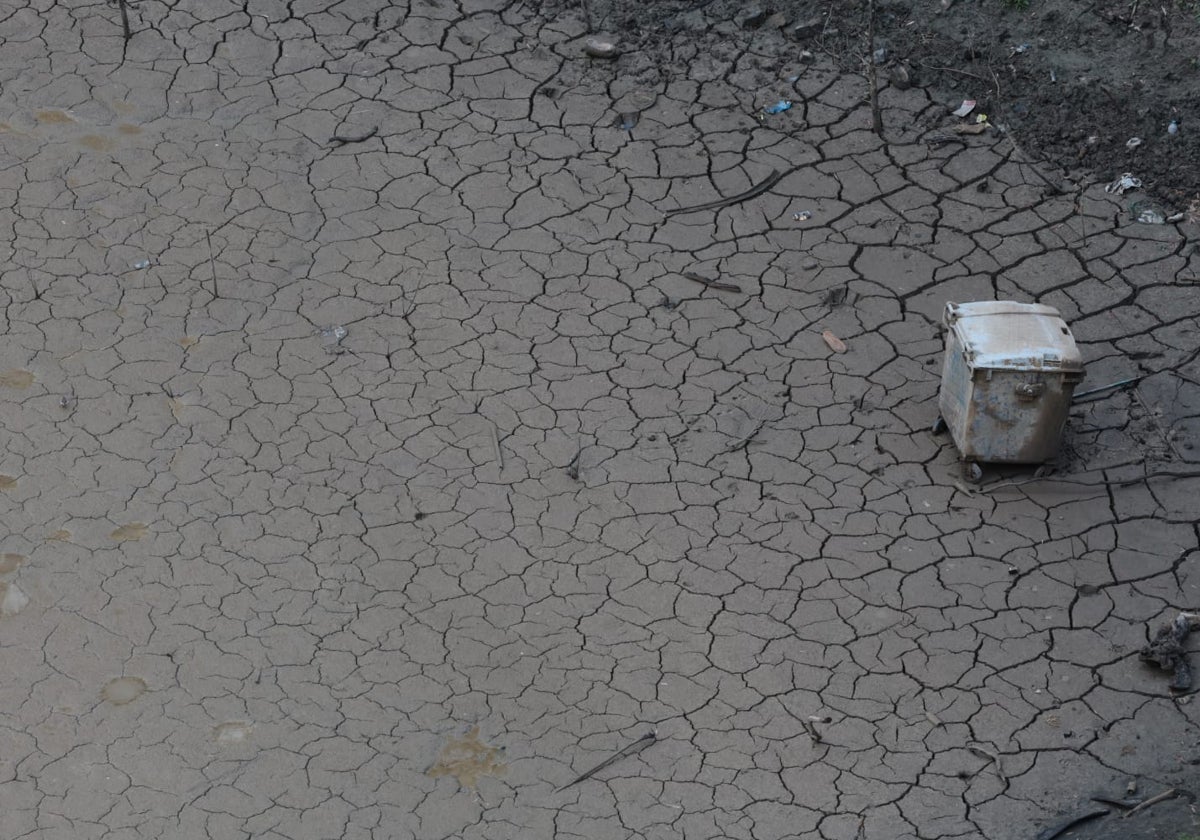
[[468, 759], [129, 532], [232, 732], [123, 690], [18, 379]]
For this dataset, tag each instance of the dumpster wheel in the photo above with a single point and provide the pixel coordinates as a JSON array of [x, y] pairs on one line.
[[972, 472]]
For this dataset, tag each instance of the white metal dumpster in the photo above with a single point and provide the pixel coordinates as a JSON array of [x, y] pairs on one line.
[[1007, 381]]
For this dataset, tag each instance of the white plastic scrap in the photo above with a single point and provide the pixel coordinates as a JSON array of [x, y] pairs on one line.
[[967, 107], [1125, 182], [1133, 142]]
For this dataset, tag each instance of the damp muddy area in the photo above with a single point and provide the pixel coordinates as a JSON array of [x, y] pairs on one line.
[[1090, 88]]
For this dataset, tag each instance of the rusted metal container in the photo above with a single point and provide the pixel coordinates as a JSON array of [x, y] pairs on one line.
[[1007, 381]]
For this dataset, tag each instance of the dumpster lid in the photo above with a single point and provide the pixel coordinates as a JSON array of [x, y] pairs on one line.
[[1004, 334]]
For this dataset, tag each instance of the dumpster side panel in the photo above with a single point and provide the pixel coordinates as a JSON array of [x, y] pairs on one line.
[[1016, 416]]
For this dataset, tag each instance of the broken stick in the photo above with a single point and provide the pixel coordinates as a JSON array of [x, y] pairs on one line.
[[1153, 800], [636, 747], [978, 750], [754, 192], [342, 140], [712, 284]]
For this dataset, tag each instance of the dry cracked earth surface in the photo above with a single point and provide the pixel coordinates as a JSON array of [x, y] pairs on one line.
[[545, 494]]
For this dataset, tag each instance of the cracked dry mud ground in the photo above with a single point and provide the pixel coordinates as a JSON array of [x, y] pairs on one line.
[[268, 583]]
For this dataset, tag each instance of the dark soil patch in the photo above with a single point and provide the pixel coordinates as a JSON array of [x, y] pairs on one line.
[[1072, 81]]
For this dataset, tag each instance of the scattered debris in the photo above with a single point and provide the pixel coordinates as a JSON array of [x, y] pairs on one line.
[[573, 467], [1153, 800], [1050, 832], [1131, 787], [933, 719], [628, 120], [712, 284], [808, 28], [142, 264], [1110, 387], [901, 77], [600, 48], [636, 747], [810, 726], [806, 57], [12, 599], [332, 336], [978, 750], [1147, 212], [965, 108], [938, 139], [496, 443], [754, 192], [1133, 143], [1123, 804], [779, 107], [1173, 127], [880, 55], [1053, 77], [1125, 182], [835, 343], [1020, 48], [970, 128], [1166, 650], [835, 296], [755, 19], [343, 139], [802, 216]]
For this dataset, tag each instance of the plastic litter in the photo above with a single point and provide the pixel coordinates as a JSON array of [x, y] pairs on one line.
[[802, 216], [880, 55], [1020, 48], [1147, 213], [627, 120], [779, 107], [981, 118], [965, 108], [835, 343], [142, 264], [1133, 142], [1173, 128], [600, 48], [1125, 182], [332, 336], [1167, 652]]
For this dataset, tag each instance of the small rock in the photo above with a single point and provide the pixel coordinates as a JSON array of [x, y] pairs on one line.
[[901, 77], [807, 57], [776, 21], [807, 28], [600, 48], [809, 264], [754, 19]]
